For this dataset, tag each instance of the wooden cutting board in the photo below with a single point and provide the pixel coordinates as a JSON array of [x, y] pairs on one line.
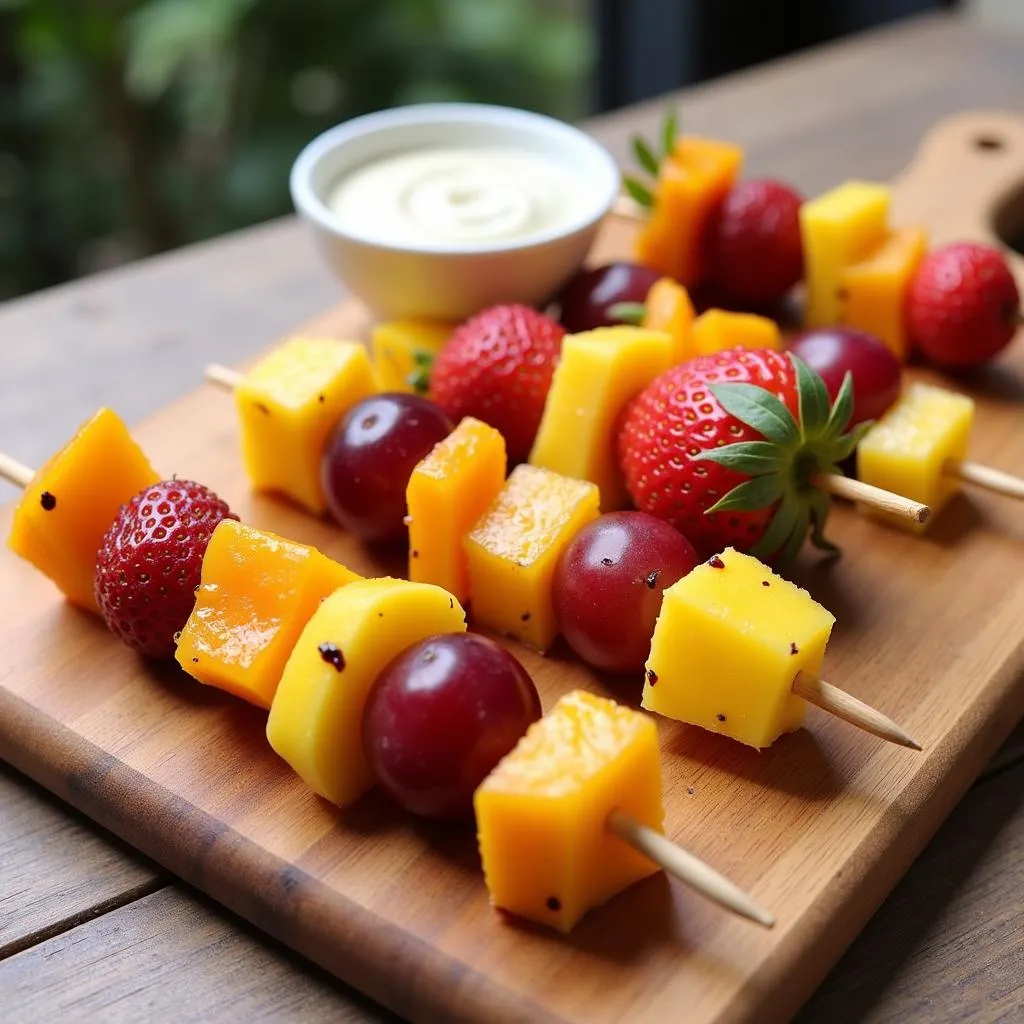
[[818, 828]]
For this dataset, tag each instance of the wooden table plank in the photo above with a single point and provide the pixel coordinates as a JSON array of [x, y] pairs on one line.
[[172, 956], [947, 944], [57, 868], [857, 107]]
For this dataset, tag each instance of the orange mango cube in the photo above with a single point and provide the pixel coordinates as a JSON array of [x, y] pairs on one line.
[[692, 181], [873, 292], [448, 492], [717, 330], [542, 813], [69, 504], [512, 551], [287, 406], [668, 308], [257, 591]]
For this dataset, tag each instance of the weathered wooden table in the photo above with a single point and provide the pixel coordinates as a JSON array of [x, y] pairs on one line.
[[88, 930]]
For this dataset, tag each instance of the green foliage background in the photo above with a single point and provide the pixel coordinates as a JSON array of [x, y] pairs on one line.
[[128, 127]]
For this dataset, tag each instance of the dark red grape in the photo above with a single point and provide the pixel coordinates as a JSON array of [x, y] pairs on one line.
[[587, 299], [370, 456], [608, 585], [876, 371], [441, 716]]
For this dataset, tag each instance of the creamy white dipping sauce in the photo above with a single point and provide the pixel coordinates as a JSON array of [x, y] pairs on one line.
[[457, 196]]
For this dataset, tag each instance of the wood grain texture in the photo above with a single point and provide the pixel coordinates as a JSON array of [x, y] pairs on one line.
[[185, 775], [955, 958], [167, 957], [56, 869]]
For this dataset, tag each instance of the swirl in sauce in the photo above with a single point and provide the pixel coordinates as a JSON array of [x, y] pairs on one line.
[[457, 196]]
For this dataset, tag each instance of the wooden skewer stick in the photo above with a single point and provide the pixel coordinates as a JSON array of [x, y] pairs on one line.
[[876, 497], [839, 703], [222, 376], [15, 472], [687, 868], [985, 476]]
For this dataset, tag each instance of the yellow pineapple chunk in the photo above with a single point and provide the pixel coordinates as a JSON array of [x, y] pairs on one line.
[[288, 404], [316, 719], [598, 373], [542, 812], [839, 228], [448, 492], [729, 642], [906, 450], [403, 351], [513, 549]]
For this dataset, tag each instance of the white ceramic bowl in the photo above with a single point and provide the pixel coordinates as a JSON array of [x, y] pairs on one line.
[[451, 281]]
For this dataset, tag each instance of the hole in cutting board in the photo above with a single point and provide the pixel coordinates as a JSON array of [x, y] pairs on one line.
[[989, 143], [1008, 219]]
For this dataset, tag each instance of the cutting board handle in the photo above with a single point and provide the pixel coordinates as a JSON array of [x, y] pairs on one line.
[[967, 182]]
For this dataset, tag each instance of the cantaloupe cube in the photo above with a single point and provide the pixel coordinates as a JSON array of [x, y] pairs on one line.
[[404, 351], [542, 812], [289, 403], [838, 228], [729, 642], [716, 330], [68, 506], [448, 492], [598, 373], [668, 308], [874, 290], [316, 720], [257, 592], [907, 449], [692, 181], [512, 551]]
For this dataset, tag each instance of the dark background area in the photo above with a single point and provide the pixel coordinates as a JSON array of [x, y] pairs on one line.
[[130, 127]]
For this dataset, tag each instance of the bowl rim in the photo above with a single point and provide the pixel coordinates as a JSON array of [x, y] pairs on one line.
[[308, 204]]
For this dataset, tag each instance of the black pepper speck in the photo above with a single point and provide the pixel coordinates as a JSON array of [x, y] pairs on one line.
[[652, 676], [720, 717], [716, 563], [765, 583], [414, 553], [793, 649], [554, 903], [525, 617], [652, 579], [331, 653], [48, 501], [607, 561]]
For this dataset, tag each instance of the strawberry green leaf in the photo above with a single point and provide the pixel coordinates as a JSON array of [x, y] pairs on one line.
[[796, 538], [760, 410], [815, 406], [847, 444], [751, 494], [669, 131], [628, 312], [819, 506], [639, 192], [644, 156], [755, 458], [779, 529], [842, 409]]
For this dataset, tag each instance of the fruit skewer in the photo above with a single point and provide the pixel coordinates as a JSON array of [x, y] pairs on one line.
[[885, 501], [70, 462]]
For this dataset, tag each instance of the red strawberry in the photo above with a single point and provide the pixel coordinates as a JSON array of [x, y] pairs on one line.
[[752, 244], [963, 305], [497, 367], [724, 447], [148, 565]]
